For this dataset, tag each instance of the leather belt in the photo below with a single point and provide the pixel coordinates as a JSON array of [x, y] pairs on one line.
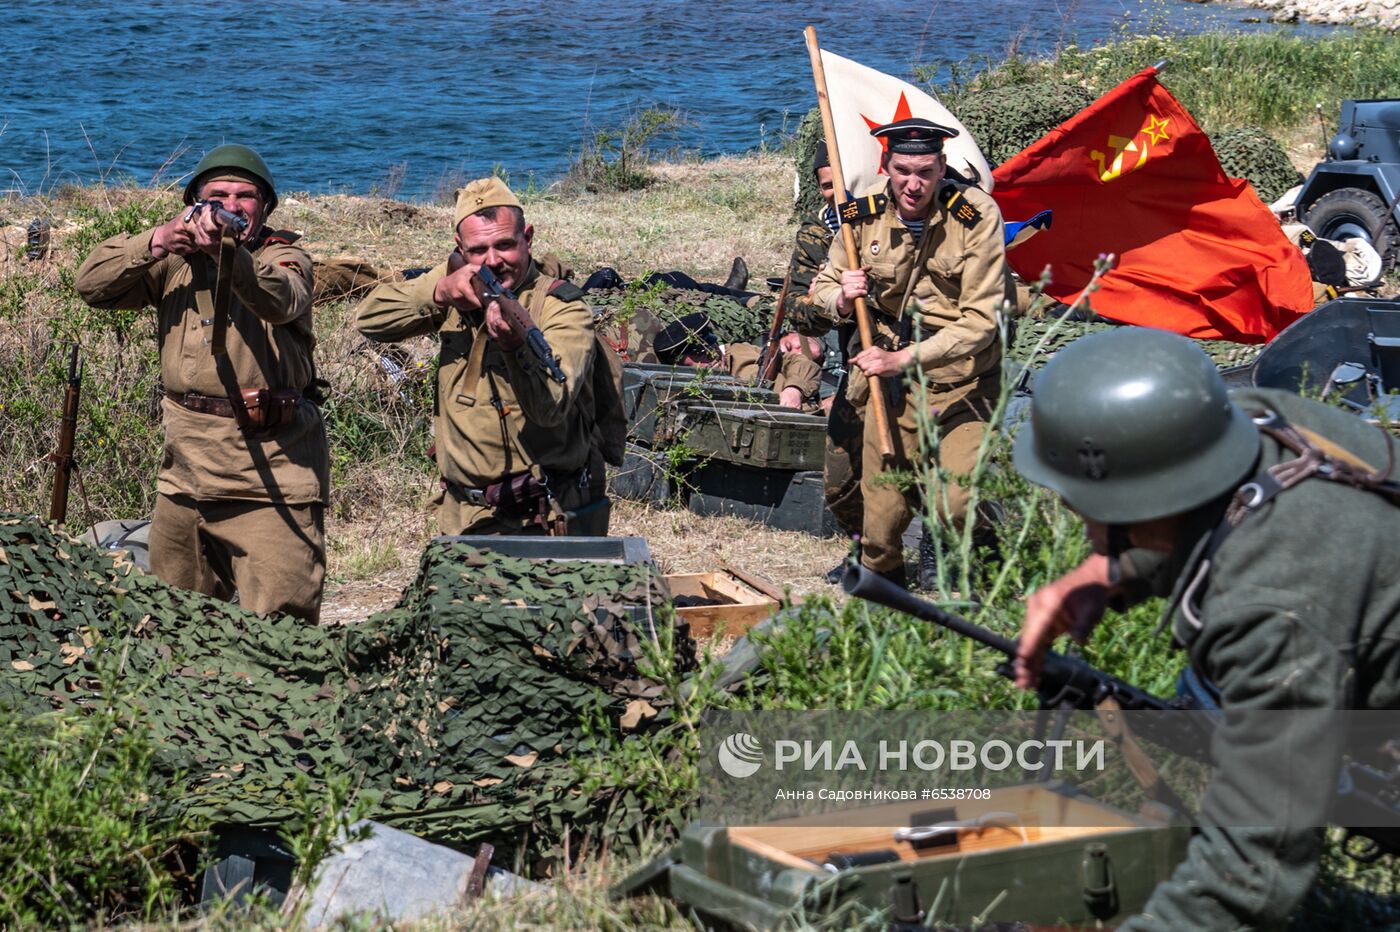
[[263, 408], [202, 404]]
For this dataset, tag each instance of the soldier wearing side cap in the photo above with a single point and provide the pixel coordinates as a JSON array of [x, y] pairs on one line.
[[514, 446], [245, 476], [932, 266], [691, 341]]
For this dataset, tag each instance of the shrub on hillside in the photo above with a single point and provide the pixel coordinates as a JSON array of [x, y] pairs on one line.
[[1254, 155], [1006, 120]]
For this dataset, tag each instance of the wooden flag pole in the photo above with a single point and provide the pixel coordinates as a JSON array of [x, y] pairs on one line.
[[876, 401]]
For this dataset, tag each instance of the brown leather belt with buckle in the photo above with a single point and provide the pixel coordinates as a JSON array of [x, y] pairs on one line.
[[267, 408]]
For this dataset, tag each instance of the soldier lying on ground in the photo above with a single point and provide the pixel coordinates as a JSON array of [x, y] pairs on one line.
[[1271, 520], [691, 341], [514, 445], [245, 477]]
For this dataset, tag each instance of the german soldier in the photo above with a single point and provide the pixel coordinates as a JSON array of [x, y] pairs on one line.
[[1271, 521], [245, 476], [932, 262], [514, 445]]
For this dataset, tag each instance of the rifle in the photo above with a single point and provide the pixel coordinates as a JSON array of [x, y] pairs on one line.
[[487, 287], [769, 358], [62, 456], [878, 409], [1065, 682], [1366, 800], [225, 219]]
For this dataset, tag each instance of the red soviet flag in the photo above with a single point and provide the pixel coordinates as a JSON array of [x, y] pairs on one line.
[[1132, 174]]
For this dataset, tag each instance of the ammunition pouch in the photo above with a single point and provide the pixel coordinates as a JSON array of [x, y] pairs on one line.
[[516, 496], [522, 496]]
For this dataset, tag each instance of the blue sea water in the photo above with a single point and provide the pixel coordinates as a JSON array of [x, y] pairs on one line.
[[403, 96]]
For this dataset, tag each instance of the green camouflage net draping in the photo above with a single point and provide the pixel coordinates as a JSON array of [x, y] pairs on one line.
[[645, 313], [460, 712], [1050, 334], [1254, 155]]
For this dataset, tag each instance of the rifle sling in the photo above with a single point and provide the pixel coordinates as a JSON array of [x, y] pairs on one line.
[[218, 338], [1115, 725]]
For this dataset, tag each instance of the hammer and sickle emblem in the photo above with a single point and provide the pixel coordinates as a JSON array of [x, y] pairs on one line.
[[1093, 461]]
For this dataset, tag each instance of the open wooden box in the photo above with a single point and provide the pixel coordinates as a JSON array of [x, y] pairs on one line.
[[745, 601], [1014, 817]]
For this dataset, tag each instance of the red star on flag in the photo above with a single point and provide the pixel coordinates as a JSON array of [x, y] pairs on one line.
[[901, 112]]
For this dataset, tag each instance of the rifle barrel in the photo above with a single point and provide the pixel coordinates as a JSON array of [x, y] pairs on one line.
[[62, 456], [865, 584]]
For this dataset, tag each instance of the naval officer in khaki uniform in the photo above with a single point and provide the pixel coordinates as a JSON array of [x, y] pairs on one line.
[[514, 446], [245, 476], [932, 263]]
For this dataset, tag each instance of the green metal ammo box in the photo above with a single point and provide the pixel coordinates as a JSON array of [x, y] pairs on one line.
[[767, 436], [650, 390], [1025, 856]]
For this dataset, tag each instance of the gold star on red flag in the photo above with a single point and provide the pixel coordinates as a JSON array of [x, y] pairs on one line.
[[1156, 128]]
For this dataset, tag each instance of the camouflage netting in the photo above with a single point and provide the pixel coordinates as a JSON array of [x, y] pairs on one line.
[[809, 133], [646, 312], [458, 711], [1254, 155], [1006, 120], [468, 699], [1056, 334]]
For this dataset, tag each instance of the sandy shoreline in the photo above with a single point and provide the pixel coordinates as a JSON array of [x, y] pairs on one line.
[[1382, 13]]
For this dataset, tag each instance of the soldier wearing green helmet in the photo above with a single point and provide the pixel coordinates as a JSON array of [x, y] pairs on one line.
[[245, 476], [1270, 522]]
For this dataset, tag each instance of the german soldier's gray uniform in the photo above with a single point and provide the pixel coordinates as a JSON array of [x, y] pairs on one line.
[[1285, 587], [940, 296], [514, 447], [241, 504]]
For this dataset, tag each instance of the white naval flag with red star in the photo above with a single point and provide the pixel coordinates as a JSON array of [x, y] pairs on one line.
[[863, 98]]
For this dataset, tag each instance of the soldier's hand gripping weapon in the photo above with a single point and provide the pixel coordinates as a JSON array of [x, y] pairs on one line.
[[225, 218], [488, 287], [1065, 682], [1366, 800], [62, 456]]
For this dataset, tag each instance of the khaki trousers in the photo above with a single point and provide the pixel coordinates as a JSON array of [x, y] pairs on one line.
[[272, 555], [841, 470], [960, 415]]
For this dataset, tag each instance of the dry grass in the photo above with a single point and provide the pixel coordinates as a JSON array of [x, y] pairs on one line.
[[696, 217]]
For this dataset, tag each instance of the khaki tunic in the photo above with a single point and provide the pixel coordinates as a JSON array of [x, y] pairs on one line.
[[499, 414], [794, 370], [270, 342], [962, 279]]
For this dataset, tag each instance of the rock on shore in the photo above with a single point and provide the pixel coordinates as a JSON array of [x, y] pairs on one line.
[[1382, 13]]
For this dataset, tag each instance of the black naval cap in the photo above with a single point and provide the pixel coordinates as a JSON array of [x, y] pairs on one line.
[[914, 136], [821, 158], [692, 332]]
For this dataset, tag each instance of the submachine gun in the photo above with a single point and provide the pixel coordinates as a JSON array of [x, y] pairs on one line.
[[1367, 796], [488, 287]]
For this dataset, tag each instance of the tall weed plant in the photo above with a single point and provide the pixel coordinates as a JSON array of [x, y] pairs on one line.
[[85, 833]]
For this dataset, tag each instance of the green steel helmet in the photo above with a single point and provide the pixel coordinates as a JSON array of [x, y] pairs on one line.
[[1134, 424], [240, 158]]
